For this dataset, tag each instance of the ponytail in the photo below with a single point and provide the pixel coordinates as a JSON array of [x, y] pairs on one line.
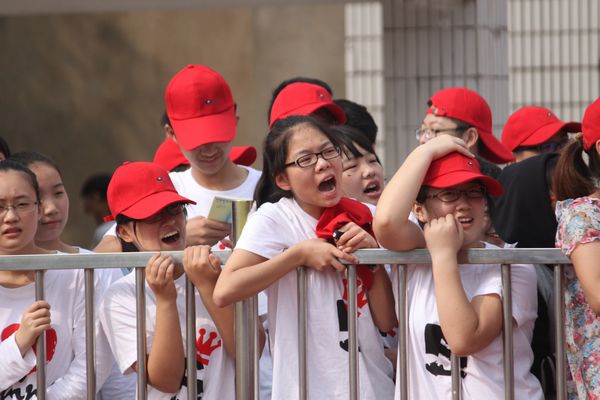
[[572, 176]]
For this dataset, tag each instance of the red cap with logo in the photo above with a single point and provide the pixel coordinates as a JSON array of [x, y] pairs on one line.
[[454, 169], [591, 125], [531, 125], [303, 98], [139, 190], [465, 105], [200, 107]]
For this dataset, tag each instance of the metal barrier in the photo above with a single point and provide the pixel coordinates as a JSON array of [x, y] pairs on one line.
[[248, 318]]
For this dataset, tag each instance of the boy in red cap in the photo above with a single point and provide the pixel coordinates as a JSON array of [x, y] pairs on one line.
[[531, 131], [202, 114], [463, 113], [455, 308]]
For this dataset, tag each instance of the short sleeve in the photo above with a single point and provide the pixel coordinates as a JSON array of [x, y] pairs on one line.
[[578, 223], [264, 234]]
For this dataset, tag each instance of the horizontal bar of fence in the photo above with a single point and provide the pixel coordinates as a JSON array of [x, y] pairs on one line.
[[365, 256]]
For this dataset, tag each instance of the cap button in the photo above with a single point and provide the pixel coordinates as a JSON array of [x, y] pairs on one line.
[[159, 178], [208, 101]]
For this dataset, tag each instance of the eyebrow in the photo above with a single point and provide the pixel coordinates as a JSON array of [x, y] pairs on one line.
[[323, 146], [19, 197]]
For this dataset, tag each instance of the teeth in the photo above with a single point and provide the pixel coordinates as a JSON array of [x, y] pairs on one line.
[[170, 235]]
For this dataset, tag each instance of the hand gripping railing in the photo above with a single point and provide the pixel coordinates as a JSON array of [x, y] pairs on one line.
[[246, 320]]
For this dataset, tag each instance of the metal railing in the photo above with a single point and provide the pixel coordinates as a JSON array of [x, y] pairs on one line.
[[247, 320]]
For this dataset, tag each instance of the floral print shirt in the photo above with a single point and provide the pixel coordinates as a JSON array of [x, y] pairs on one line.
[[579, 223]]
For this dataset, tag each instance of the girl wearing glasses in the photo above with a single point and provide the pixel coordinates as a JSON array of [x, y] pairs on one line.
[[578, 234], [300, 182], [151, 216], [455, 308], [60, 317]]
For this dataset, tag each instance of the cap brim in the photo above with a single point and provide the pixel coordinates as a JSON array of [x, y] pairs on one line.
[[307, 109], [243, 155], [547, 131], [195, 132], [493, 150], [150, 205], [459, 177]]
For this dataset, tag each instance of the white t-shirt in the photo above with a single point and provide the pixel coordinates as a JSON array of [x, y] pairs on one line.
[[273, 228], [482, 373], [65, 340], [215, 369]]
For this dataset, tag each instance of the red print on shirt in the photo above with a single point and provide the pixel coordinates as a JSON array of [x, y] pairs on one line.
[[51, 341], [205, 347]]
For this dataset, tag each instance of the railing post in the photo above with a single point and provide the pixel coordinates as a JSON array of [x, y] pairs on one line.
[[90, 346], [246, 356], [190, 337], [40, 343], [455, 374], [561, 365], [301, 299], [402, 333], [352, 333], [507, 333], [140, 308]]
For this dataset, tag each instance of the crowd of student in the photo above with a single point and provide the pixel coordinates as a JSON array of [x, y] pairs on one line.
[[320, 197]]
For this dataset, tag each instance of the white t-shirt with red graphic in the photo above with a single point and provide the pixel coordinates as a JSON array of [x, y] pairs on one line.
[[273, 228], [482, 373], [65, 340], [215, 369]]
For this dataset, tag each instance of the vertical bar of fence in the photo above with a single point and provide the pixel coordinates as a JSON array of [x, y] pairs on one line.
[[352, 333], [190, 337], [301, 286], [507, 333], [246, 376], [40, 344], [455, 374], [140, 307], [255, 346], [561, 365], [402, 333], [90, 346]]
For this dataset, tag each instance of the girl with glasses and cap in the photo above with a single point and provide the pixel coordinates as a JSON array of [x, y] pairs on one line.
[[151, 216], [454, 308], [300, 212], [578, 234], [60, 316]]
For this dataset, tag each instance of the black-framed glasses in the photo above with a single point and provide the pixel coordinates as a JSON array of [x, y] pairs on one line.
[[429, 133], [22, 207], [310, 159], [171, 210], [451, 195]]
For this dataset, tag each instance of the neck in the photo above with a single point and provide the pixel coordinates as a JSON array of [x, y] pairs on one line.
[[57, 244], [15, 279], [229, 177]]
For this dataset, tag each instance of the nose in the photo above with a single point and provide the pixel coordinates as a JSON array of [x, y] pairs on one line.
[[10, 215], [48, 207], [322, 163]]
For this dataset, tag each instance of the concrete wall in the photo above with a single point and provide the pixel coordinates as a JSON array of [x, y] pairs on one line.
[[87, 89]]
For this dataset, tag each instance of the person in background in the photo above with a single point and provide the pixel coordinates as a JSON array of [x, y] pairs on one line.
[[533, 130], [359, 118], [4, 149], [93, 200]]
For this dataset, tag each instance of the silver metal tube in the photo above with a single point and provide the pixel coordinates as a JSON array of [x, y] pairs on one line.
[[456, 380], [190, 337], [40, 343], [246, 358], [402, 333], [352, 333], [90, 346], [255, 347], [140, 308], [507, 333], [302, 381], [561, 364]]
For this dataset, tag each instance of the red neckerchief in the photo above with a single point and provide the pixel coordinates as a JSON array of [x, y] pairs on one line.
[[333, 218]]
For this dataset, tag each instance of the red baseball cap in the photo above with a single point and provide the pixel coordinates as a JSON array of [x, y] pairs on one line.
[[139, 190], [467, 106], [531, 125], [200, 107], [591, 125], [455, 169], [243, 155], [303, 98]]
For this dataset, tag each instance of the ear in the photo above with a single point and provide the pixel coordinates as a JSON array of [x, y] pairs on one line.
[[421, 212], [597, 146], [471, 135], [125, 232], [282, 181]]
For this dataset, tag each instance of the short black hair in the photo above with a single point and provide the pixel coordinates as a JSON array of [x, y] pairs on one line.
[[297, 79], [96, 184], [164, 120], [358, 117], [4, 149], [28, 158]]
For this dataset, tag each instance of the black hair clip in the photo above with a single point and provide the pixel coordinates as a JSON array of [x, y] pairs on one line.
[[337, 234]]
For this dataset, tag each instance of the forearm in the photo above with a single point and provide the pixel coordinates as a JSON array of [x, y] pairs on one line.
[[13, 366], [246, 274], [381, 301], [166, 358]]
